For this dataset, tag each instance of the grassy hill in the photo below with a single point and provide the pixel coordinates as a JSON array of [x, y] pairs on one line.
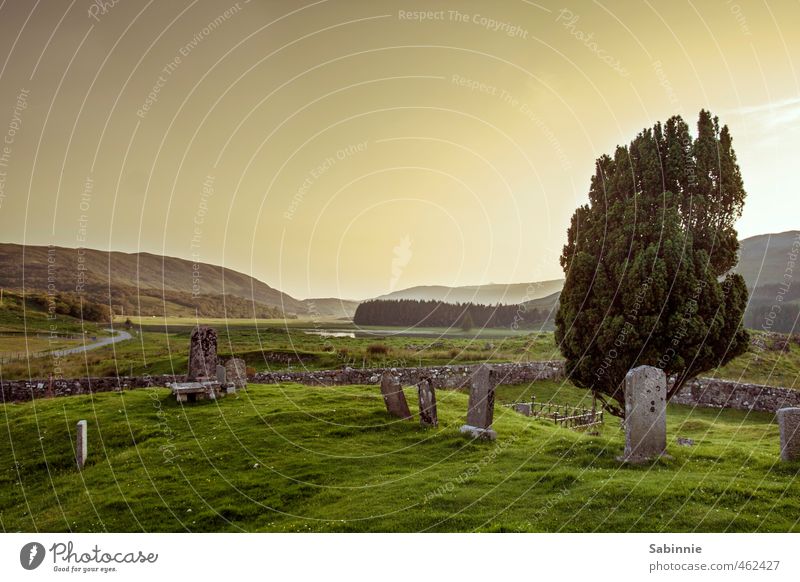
[[293, 458], [19, 315], [763, 258], [147, 284]]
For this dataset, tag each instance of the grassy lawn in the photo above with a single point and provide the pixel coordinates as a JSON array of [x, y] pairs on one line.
[[766, 363], [297, 458], [12, 345]]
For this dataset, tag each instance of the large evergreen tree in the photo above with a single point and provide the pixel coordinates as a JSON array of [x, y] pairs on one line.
[[648, 260]]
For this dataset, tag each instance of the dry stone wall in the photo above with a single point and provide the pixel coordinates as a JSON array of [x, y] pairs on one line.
[[715, 393], [705, 392]]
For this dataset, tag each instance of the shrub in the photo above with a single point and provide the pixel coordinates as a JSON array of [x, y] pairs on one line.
[[377, 349]]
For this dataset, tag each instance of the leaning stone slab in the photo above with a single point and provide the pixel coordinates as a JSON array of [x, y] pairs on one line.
[[393, 397], [428, 416], [480, 411], [236, 372], [645, 414], [202, 354], [81, 444], [789, 427]]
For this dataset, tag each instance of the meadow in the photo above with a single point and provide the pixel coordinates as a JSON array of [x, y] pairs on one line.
[[291, 458], [161, 347]]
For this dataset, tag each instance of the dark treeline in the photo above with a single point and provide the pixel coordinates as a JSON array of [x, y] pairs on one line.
[[411, 312]]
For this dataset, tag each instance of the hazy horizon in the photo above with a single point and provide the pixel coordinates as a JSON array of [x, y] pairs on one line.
[[349, 149]]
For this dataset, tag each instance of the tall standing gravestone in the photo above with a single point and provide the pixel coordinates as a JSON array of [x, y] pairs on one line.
[[480, 413], [645, 414], [393, 397], [428, 416], [202, 354], [789, 426], [81, 445]]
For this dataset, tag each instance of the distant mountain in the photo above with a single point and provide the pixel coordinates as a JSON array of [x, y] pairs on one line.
[[148, 284], [768, 264], [763, 259], [330, 307], [506, 294]]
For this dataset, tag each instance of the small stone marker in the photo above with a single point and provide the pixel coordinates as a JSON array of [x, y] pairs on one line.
[[202, 354], [236, 372], [789, 426], [645, 414], [81, 446], [393, 397], [480, 413], [221, 373], [523, 408], [428, 415]]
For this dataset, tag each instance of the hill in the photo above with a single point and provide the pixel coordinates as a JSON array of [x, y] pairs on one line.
[[148, 284], [505, 294], [767, 263], [290, 458], [763, 259]]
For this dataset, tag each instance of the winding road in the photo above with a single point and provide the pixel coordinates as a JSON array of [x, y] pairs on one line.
[[120, 336]]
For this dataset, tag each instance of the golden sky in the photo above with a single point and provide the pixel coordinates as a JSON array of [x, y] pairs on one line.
[[350, 148]]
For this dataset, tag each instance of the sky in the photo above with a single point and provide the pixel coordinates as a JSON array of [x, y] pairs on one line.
[[352, 148]]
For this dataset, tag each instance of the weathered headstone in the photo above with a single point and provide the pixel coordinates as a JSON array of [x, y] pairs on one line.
[[789, 427], [81, 444], [480, 412], [202, 354], [523, 408], [645, 414], [393, 396], [428, 415], [236, 372], [221, 374]]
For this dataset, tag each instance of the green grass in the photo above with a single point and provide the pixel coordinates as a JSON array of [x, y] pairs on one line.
[[765, 362], [162, 347], [298, 458], [18, 315]]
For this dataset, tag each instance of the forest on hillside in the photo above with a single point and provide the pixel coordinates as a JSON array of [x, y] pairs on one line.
[[414, 312]]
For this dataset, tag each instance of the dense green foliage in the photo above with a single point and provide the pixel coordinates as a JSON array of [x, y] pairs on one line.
[[414, 313], [297, 458], [648, 262], [70, 304]]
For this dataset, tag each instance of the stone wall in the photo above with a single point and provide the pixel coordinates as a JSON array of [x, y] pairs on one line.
[[715, 393], [21, 390], [705, 392], [439, 376]]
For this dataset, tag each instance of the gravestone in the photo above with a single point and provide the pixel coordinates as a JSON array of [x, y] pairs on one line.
[[789, 427], [428, 415], [202, 354], [393, 397], [221, 373], [480, 412], [236, 372], [645, 414], [523, 408], [81, 445]]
